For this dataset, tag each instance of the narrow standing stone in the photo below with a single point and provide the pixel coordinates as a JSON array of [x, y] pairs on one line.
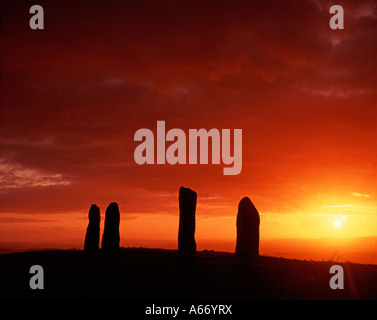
[[111, 237], [92, 231], [187, 208], [247, 228]]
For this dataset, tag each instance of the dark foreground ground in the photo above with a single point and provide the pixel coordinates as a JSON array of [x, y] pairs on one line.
[[138, 273]]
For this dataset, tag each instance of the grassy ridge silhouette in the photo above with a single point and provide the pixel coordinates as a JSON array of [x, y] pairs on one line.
[[139, 273]]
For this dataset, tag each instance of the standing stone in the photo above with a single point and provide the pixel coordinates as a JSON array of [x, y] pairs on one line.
[[187, 208], [111, 237], [247, 228], [92, 231]]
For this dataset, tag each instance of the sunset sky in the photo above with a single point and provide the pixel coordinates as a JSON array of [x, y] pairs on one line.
[[74, 94]]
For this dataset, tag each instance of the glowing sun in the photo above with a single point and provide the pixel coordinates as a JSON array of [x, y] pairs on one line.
[[337, 223]]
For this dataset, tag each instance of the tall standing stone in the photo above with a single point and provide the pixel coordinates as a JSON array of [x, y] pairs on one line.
[[247, 228], [92, 231], [111, 237], [187, 208]]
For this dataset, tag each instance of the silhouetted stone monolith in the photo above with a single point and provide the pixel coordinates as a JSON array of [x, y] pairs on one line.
[[187, 208], [92, 231], [247, 228], [110, 237]]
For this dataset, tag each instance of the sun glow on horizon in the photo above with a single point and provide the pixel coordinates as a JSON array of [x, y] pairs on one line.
[[337, 223]]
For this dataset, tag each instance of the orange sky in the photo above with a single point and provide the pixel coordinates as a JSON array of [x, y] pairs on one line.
[[73, 95]]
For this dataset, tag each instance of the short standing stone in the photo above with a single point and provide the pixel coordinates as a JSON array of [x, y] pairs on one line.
[[111, 237], [187, 208], [247, 228], [92, 231]]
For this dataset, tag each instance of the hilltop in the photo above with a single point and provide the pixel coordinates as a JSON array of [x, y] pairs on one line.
[[139, 273]]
